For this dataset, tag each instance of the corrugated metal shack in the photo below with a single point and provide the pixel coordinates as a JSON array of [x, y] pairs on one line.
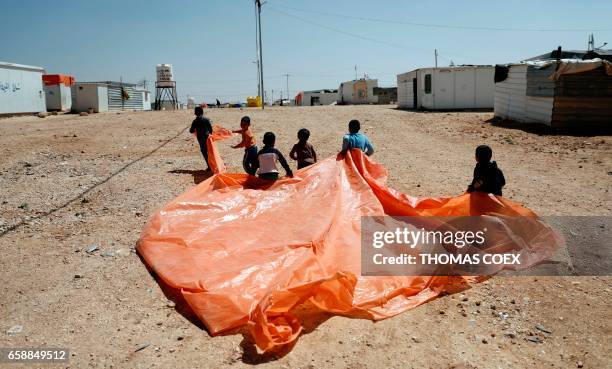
[[561, 94], [21, 89]]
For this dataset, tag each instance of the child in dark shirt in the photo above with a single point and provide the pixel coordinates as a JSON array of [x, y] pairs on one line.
[[302, 151], [267, 158], [487, 176], [202, 128], [248, 142]]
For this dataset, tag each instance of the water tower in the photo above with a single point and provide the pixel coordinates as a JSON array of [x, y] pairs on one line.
[[165, 88]]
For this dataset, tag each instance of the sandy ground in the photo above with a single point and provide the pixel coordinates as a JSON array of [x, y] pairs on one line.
[[76, 181]]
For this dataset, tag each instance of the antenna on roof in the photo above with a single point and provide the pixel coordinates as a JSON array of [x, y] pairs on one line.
[[591, 44]]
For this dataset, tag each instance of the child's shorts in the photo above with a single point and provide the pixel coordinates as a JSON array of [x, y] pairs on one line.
[[250, 159], [272, 176]]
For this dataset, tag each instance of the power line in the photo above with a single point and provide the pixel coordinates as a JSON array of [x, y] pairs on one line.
[[404, 47], [361, 37], [446, 26]]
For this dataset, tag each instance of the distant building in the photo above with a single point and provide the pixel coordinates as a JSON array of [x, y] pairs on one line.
[[21, 89], [316, 97], [359, 91], [451, 88], [386, 95], [58, 94], [564, 94], [109, 96]]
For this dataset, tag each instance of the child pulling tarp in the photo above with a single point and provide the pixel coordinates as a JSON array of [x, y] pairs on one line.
[[240, 250]]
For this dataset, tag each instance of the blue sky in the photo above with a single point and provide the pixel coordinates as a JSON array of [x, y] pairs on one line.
[[211, 43]]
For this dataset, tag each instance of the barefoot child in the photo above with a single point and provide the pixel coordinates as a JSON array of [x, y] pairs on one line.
[[302, 151], [356, 140], [267, 158], [248, 142], [487, 176], [202, 128]]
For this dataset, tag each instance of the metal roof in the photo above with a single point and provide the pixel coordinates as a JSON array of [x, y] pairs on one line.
[[574, 54], [21, 67], [111, 83], [322, 91]]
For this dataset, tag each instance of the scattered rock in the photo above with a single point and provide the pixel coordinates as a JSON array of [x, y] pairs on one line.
[[92, 248], [109, 254], [534, 339], [541, 328], [415, 339], [83, 114], [16, 329], [142, 347], [477, 303], [122, 252], [171, 304], [42, 114], [78, 276], [580, 364]]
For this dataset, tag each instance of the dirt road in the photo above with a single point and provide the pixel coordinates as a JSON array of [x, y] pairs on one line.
[[72, 182]]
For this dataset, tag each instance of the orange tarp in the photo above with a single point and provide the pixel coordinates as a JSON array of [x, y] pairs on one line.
[[244, 251], [56, 79]]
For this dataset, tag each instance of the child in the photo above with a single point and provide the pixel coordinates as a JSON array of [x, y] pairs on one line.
[[356, 140], [202, 127], [248, 142], [302, 151], [487, 176], [267, 158]]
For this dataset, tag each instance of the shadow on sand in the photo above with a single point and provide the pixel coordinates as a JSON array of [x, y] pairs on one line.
[[198, 175], [544, 130]]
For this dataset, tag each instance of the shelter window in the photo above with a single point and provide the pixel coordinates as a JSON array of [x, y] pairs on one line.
[[428, 83]]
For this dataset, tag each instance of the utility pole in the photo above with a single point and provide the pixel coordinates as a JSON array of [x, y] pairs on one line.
[[256, 62], [436, 57], [287, 76], [258, 5], [356, 72], [272, 100]]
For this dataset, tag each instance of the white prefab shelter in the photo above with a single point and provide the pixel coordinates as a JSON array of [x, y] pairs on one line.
[[359, 91], [58, 97], [21, 89], [317, 97], [89, 95], [452, 88]]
